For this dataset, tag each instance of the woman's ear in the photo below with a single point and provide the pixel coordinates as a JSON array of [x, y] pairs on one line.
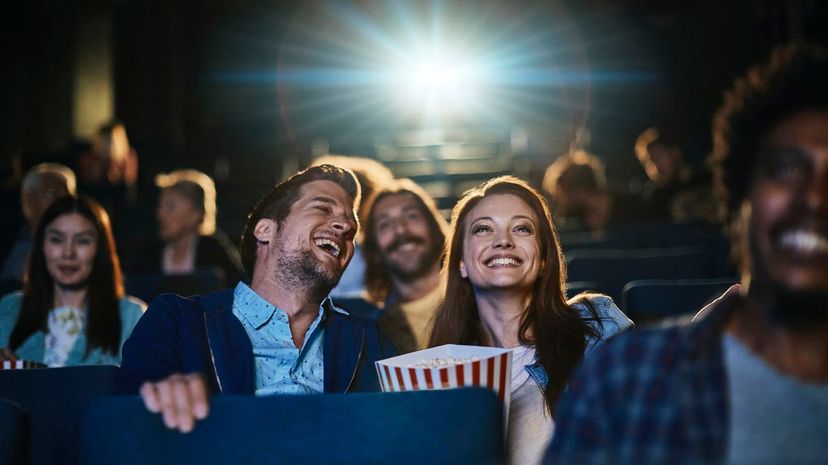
[[264, 230], [463, 273]]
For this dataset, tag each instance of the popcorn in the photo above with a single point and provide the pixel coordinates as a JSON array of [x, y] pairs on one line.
[[439, 362], [450, 366]]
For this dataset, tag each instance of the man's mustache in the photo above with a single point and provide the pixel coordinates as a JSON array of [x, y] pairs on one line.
[[403, 240]]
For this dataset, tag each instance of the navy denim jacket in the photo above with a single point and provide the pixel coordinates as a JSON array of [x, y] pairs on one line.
[[200, 334], [613, 321]]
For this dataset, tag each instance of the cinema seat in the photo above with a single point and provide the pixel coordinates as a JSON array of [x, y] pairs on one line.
[[54, 399], [612, 269], [147, 287], [426, 427], [651, 300], [13, 434]]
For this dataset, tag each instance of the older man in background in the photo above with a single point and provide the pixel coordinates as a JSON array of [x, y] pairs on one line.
[[42, 185]]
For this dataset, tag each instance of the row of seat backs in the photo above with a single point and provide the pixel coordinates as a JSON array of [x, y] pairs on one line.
[[652, 300], [645, 236], [65, 416], [612, 269], [434, 427], [147, 287], [656, 300]]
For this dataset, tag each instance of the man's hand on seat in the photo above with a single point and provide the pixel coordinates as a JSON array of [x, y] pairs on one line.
[[180, 399]]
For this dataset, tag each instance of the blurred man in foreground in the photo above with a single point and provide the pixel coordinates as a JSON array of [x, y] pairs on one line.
[[747, 381]]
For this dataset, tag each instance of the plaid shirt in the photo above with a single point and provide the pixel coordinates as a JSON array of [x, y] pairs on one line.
[[647, 397]]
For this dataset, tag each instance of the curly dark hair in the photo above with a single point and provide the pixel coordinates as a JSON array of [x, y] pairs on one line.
[[276, 204], [795, 79]]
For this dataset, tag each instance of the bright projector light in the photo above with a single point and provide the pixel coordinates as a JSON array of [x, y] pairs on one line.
[[437, 84]]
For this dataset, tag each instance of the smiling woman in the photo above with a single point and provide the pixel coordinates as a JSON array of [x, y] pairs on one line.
[[72, 310], [505, 287]]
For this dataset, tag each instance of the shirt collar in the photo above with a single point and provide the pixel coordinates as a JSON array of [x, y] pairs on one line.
[[328, 303], [250, 305], [258, 311]]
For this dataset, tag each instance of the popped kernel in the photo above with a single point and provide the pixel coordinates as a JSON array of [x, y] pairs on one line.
[[441, 362]]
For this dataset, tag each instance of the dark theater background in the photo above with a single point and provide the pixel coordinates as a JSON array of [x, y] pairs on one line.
[[178, 116], [250, 91]]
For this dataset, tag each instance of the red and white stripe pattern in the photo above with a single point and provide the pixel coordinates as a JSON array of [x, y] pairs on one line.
[[20, 365], [488, 367], [491, 373]]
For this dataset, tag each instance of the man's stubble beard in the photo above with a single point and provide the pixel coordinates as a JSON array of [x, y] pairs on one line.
[[302, 272]]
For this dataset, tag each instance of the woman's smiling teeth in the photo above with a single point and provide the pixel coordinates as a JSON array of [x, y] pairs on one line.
[[328, 245], [503, 261]]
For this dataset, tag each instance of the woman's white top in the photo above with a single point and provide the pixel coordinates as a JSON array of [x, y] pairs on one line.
[[530, 425], [65, 325]]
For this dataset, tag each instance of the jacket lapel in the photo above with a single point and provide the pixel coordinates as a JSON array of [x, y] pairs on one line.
[[343, 345], [229, 347]]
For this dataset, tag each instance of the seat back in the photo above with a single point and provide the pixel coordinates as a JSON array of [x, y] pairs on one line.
[[434, 427], [54, 399], [643, 236], [13, 434], [612, 269], [148, 287], [651, 300], [574, 288]]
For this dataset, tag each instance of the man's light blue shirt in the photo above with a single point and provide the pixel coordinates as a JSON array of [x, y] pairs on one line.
[[280, 368]]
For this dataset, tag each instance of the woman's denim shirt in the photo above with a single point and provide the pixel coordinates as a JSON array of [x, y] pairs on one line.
[[612, 319]]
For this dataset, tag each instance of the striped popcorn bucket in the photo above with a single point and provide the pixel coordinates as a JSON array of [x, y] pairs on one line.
[[450, 366], [20, 365]]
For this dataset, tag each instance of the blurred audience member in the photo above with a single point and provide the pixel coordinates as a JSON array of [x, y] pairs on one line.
[[372, 175], [577, 184], [112, 161], [505, 287], [42, 185], [747, 381], [108, 171], [187, 237], [72, 310], [672, 192], [404, 236]]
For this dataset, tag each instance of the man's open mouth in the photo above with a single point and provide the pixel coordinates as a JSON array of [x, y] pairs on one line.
[[328, 246], [802, 241]]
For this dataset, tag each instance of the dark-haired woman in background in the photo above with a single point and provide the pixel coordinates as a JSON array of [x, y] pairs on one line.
[[505, 287], [72, 310]]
